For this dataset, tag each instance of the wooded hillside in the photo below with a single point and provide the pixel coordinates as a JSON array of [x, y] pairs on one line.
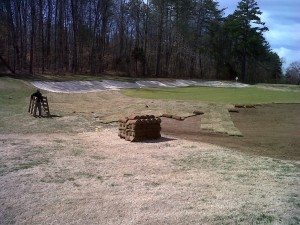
[[150, 38]]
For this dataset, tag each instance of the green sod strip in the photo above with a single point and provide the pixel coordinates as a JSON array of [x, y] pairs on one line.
[[251, 95]]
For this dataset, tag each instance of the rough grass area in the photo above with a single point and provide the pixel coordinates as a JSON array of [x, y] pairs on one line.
[[252, 95], [97, 178], [14, 116]]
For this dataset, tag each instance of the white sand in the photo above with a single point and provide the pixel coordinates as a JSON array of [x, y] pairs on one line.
[[94, 86]]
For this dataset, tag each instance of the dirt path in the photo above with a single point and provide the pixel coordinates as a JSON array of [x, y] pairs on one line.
[[269, 130], [97, 178]]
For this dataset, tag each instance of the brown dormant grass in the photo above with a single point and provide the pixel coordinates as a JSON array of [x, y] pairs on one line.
[[97, 178]]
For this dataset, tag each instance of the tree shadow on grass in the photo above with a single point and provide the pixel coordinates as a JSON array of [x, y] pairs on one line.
[[48, 117], [160, 140]]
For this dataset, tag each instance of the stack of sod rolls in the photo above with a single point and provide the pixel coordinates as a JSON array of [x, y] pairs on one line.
[[140, 128]]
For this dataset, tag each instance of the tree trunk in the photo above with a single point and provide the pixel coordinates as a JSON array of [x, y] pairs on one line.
[[244, 67], [146, 40], [32, 38], [94, 39], [13, 34], [41, 34], [7, 66], [159, 44], [74, 9], [48, 45]]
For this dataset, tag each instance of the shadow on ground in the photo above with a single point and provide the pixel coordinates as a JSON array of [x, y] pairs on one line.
[[160, 140]]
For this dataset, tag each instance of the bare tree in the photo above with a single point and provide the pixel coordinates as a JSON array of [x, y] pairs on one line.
[[293, 73]]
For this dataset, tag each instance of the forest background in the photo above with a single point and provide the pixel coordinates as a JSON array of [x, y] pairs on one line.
[[150, 38]]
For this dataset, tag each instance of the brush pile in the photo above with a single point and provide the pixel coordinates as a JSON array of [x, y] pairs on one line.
[[139, 128]]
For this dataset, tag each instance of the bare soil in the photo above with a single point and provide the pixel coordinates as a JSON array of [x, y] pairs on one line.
[[269, 130]]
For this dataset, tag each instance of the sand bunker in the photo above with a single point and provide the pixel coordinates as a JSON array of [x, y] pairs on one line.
[[94, 86]]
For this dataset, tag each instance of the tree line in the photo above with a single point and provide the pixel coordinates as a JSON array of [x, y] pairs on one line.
[[140, 38]]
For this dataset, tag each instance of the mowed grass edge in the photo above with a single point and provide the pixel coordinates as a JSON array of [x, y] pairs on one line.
[[251, 95]]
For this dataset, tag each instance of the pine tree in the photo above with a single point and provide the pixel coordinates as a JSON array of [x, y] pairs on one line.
[[246, 28]]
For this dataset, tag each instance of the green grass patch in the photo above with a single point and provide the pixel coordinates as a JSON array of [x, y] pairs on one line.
[[30, 164], [264, 218], [3, 169], [251, 95], [14, 116], [13, 95], [77, 151], [127, 174]]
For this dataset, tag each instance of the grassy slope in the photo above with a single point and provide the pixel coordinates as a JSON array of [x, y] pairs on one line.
[[14, 118], [13, 95], [14, 99], [250, 95]]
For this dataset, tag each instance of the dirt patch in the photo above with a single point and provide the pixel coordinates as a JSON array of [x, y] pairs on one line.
[[268, 130]]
